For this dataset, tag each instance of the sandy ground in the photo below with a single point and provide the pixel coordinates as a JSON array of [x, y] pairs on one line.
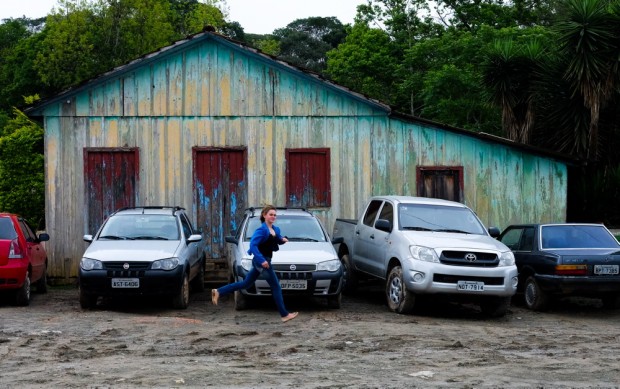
[[53, 344]]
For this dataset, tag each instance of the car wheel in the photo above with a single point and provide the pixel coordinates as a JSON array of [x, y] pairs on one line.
[[334, 302], [495, 306], [611, 301], [199, 280], [399, 298], [42, 283], [534, 297], [181, 300], [22, 295], [87, 300], [348, 275]]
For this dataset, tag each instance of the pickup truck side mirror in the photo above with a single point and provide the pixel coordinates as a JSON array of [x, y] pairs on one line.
[[383, 225], [231, 239], [494, 232]]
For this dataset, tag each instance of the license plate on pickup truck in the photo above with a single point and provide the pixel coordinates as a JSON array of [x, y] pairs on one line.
[[125, 282], [294, 284], [606, 269], [470, 286]]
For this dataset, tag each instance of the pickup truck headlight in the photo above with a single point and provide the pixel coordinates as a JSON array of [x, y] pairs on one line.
[[507, 258], [331, 265], [91, 264], [165, 264], [246, 264], [422, 253]]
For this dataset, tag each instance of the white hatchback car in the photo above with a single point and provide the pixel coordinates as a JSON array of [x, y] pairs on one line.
[[143, 251], [306, 265]]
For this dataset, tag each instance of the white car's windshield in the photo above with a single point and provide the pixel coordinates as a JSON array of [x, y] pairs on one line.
[[577, 236], [426, 217], [296, 229], [140, 227]]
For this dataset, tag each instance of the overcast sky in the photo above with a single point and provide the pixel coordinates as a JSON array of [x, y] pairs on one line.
[[255, 16]]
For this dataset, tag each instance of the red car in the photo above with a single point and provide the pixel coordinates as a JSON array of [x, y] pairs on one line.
[[23, 260]]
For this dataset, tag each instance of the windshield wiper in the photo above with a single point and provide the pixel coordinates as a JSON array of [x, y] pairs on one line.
[[417, 229], [452, 230], [149, 238], [295, 239], [115, 237]]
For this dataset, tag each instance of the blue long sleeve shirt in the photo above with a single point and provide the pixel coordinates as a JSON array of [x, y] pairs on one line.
[[261, 235]]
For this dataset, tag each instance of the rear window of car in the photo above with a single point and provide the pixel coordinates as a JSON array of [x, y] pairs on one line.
[[295, 228], [577, 236], [7, 230]]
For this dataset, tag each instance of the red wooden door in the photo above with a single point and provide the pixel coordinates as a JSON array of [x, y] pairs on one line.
[[111, 176], [220, 194]]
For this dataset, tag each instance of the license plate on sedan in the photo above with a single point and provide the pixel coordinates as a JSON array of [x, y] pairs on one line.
[[470, 286], [125, 282], [294, 284], [606, 269]]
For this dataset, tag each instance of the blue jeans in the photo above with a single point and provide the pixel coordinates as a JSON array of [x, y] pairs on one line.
[[252, 275]]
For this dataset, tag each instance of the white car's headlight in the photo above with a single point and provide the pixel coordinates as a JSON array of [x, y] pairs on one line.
[[331, 265], [507, 258], [165, 264], [246, 264], [91, 264], [422, 253]]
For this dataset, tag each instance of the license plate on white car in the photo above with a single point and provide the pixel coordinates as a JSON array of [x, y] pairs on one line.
[[470, 286], [294, 284], [606, 269], [125, 282]]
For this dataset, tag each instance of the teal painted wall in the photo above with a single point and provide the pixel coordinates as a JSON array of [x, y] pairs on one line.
[[209, 91]]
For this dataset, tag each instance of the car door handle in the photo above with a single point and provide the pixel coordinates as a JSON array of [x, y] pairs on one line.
[[372, 236]]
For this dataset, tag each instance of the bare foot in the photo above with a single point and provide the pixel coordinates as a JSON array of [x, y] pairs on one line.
[[290, 316], [215, 295]]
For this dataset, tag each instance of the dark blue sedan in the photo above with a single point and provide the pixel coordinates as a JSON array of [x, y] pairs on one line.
[[556, 260]]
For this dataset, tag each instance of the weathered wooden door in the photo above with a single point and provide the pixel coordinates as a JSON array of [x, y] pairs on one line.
[[220, 194], [440, 182], [111, 177]]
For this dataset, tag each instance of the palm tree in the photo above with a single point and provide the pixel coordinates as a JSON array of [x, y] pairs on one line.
[[510, 73], [590, 46]]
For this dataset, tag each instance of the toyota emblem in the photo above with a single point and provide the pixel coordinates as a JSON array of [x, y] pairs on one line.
[[469, 257], [125, 266], [293, 267]]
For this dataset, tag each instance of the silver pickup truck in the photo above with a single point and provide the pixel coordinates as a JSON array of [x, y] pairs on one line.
[[426, 246]]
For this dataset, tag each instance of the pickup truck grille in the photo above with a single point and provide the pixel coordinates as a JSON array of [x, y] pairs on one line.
[[469, 258], [449, 279]]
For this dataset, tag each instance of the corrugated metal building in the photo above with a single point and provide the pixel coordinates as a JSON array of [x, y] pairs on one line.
[[215, 126]]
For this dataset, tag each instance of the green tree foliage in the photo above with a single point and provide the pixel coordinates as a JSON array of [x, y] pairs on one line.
[[68, 53], [22, 187], [365, 63], [83, 39], [19, 43], [305, 42]]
